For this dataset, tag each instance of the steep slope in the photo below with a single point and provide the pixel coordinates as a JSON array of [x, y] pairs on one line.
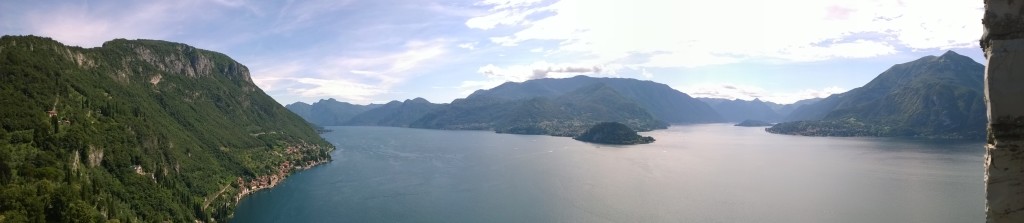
[[568, 114], [394, 113], [930, 97], [738, 110], [302, 109], [137, 130], [328, 112], [785, 109], [663, 102], [818, 110]]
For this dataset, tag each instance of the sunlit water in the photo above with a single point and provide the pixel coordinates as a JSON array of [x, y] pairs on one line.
[[694, 173]]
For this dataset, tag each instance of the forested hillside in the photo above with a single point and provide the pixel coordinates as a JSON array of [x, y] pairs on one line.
[[567, 114], [137, 130], [932, 97]]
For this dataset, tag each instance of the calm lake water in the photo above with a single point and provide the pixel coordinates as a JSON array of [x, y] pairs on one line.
[[693, 173]]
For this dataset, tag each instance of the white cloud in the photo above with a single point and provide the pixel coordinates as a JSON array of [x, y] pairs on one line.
[[645, 74], [504, 4], [231, 3], [90, 24], [358, 78], [537, 70], [341, 88], [268, 77], [504, 12], [301, 14], [240, 4], [691, 33], [364, 72], [77, 25], [468, 87], [497, 75], [744, 92], [468, 46]]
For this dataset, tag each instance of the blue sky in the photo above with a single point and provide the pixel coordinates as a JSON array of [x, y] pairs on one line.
[[372, 51]]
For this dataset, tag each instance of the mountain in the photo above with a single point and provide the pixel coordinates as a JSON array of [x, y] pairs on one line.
[[560, 107], [394, 113], [785, 109], [302, 109], [936, 97], [663, 102], [558, 113], [817, 110], [328, 112], [738, 110], [137, 131]]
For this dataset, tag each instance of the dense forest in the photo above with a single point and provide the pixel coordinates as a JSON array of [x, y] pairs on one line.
[[136, 131], [613, 133]]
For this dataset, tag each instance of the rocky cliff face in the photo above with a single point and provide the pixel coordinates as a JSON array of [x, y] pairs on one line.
[[177, 58], [1003, 42]]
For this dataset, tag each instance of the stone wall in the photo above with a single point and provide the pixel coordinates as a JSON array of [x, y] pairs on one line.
[[1003, 42]]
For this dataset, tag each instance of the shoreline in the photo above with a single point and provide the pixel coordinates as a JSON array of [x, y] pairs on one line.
[[270, 181]]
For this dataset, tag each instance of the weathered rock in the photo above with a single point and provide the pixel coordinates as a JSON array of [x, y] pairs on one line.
[[1003, 43]]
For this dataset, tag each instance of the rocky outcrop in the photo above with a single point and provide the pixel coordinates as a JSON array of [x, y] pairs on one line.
[[1003, 42], [175, 58]]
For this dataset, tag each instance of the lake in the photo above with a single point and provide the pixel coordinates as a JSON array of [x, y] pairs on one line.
[[692, 173]]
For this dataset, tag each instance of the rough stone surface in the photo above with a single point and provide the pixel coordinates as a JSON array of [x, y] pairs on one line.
[[1003, 42], [1003, 21], [1003, 164]]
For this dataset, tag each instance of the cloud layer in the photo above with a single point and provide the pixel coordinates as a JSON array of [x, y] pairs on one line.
[[734, 91], [691, 33], [358, 78], [371, 51], [539, 70]]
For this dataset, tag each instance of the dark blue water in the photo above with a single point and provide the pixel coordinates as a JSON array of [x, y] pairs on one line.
[[695, 173]]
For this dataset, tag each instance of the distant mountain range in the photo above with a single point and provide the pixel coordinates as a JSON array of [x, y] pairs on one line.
[[663, 102], [556, 113], [395, 113], [328, 112], [738, 110], [935, 97], [785, 109], [562, 107]]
